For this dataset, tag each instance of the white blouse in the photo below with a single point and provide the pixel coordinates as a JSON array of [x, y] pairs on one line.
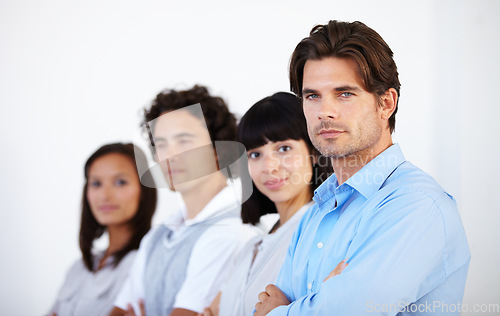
[[248, 279], [91, 293]]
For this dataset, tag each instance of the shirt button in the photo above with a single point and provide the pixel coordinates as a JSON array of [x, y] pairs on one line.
[[309, 286], [320, 245]]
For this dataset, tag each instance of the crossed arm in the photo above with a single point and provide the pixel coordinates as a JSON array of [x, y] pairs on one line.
[[130, 311], [274, 297]]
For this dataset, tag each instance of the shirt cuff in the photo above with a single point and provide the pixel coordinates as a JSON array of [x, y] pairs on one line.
[[280, 310]]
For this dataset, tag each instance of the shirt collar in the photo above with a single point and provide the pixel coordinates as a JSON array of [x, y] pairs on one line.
[[368, 179], [225, 201]]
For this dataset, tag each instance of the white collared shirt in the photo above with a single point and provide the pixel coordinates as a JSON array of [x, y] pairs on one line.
[[210, 257]]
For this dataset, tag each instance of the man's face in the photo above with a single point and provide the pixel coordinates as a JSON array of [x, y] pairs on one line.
[[343, 119], [183, 149]]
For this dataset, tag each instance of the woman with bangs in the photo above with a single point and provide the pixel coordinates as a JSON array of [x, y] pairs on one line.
[[285, 169]]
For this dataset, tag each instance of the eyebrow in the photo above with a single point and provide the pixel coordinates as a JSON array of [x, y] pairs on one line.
[[183, 134], [118, 175], [180, 135], [338, 89]]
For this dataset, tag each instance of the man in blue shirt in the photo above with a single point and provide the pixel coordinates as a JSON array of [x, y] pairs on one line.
[[400, 232]]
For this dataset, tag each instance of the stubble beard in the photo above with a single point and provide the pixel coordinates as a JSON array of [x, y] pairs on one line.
[[357, 144]]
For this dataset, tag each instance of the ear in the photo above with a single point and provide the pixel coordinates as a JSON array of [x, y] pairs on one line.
[[388, 103]]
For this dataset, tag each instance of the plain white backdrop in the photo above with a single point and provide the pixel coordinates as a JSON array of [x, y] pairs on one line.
[[76, 74]]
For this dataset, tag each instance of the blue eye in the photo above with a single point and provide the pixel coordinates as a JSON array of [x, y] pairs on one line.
[[253, 155], [284, 148], [312, 96], [346, 94], [94, 184], [120, 182]]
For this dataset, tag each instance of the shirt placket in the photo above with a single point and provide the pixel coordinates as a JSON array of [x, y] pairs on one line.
[[320, 245]]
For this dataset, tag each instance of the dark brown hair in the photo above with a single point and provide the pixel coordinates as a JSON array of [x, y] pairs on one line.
[[354, 40], [221, 123], [277, 118], [90, 229]]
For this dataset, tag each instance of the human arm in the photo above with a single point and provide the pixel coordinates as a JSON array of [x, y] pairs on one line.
[[274, 297], [213, 308], [116, 311], [131, 293], [210, 261], [129, 311], [182, 312], [397, 255]]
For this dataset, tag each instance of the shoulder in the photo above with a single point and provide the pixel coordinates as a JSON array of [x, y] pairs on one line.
[[127, 261], [412, 202], [410, 189], [149, 238], [77, 268], [228, 231], [407, 178]]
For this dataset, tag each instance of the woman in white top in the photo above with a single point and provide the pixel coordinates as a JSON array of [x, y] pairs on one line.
[[114, 201], [285, 169]]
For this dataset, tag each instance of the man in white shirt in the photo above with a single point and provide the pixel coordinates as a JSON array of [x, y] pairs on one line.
[[181, 264]]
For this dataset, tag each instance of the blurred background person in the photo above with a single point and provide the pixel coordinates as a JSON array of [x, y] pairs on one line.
[[182, 263], [114, 201], [285, 169]]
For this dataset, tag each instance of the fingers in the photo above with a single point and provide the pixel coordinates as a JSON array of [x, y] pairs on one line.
[[206, 312], [263, 296], [141, 307], [338, 269], [270, 299], [257, 306], [272, 289], [129, 311]]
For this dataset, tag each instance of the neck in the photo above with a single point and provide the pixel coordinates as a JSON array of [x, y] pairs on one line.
[[345, 167], [197, 198], [119, 236], [288, 208]]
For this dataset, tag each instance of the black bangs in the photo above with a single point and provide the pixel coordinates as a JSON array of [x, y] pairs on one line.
[[275, 118]]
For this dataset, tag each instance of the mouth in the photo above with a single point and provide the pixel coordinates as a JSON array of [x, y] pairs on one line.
[[329, 133], [108, 207], [275, 184]]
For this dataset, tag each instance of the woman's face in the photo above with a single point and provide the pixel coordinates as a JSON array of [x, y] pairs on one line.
[[113, 189], [281, 170]]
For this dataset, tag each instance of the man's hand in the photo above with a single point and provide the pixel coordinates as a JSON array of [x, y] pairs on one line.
[[269, 300], [338, 269]]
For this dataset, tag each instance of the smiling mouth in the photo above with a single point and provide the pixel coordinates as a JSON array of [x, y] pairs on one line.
[[275, 184]]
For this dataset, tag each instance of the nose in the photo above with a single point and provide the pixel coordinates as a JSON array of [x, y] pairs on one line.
[[166, 152], [328, 109], [271, 163], [105, 192]]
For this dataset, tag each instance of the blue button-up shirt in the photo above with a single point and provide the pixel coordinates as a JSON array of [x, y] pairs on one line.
[[401, 232]]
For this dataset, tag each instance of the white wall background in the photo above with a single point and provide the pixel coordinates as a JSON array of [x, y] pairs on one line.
[[75, 74]]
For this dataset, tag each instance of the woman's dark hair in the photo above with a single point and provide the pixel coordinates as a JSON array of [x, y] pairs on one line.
[[90, 229], [376, 66], [277, 118]]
